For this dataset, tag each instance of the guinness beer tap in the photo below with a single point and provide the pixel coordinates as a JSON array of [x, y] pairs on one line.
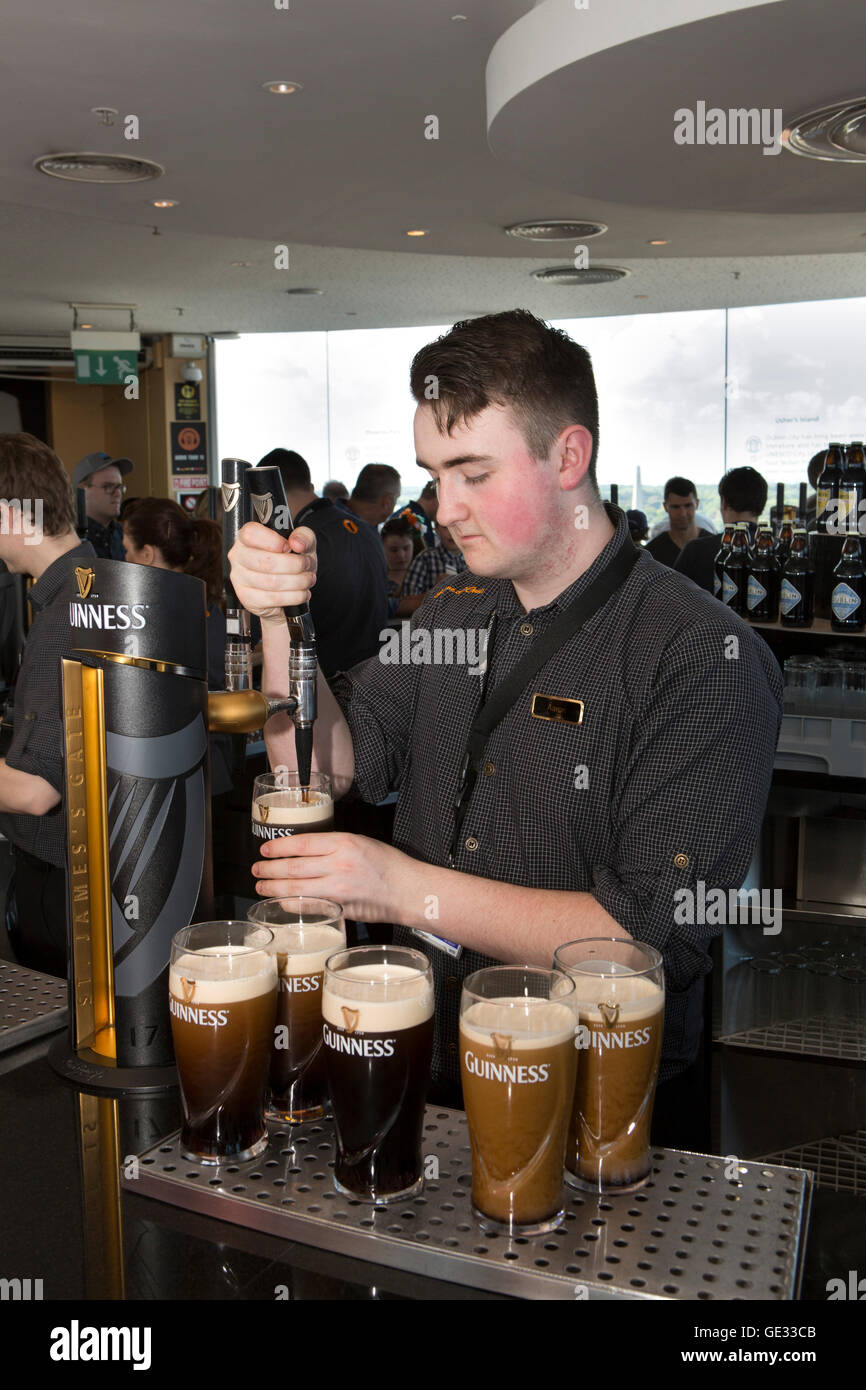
[[238, 647], [269, 507]]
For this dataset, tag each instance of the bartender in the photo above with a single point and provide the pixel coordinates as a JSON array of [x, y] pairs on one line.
[[634, 761], [38, 538]]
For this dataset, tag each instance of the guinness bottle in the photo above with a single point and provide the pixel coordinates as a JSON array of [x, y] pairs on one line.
[[735, 570], [852, 489], [827, 517], [783, 546], [762, 596], [721, 556], [798, 584], [848, 599]]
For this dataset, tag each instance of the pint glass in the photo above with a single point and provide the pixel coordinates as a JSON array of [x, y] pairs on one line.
[[517, 1065], [223, 1002], [377, 1006], [306, 931], [281, 806], [621, 1006]]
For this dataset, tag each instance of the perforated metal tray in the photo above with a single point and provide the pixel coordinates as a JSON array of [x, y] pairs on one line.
[[690, 1233], [30, 1004]]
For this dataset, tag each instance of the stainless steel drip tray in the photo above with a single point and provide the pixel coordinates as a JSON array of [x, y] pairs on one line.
[[690, 1233], [30, 1004]]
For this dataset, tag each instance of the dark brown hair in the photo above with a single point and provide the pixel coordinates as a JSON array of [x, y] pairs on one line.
[[511, 359], [30, 470], [185, 542], [405, 525]]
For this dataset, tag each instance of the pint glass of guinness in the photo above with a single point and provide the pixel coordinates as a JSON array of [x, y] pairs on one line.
[[223, 1001], [281, 806], [306, 932], [377, 1007], [621, 1007], [517, 1065]]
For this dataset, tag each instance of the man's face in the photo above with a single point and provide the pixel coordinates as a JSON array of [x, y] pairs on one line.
[[681, 510], [500, 505], [104, 494]]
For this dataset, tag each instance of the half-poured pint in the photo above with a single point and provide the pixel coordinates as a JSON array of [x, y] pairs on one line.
[[281, 806], [222, 1003], [517, 1065], [377, 1008], [306, 932], [621, 1001]]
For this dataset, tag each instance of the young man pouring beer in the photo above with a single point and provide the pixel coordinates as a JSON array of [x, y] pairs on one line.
[[632, 762]]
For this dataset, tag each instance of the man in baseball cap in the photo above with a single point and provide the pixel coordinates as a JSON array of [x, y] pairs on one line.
[[101, 476]]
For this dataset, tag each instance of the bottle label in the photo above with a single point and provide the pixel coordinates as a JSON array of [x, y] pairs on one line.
[[729, 589], [755, 593], [824, 495], [789, 596], [844, 602], [717, 586], [847, 502]]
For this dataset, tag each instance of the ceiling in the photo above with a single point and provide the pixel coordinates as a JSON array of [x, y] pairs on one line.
[[580, 125]]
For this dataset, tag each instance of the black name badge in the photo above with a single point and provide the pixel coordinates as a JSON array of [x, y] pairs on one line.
[[557, 708]]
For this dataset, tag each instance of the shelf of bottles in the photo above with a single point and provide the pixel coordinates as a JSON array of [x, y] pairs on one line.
[[786, 575]]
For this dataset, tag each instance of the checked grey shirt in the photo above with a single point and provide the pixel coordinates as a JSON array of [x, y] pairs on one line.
[[37, 738], [663, 783]]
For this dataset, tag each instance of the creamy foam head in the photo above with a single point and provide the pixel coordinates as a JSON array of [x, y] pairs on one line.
[[303, 950], [377, 998], [288, 807], [527, 1023], [222, 974], [638, 997]]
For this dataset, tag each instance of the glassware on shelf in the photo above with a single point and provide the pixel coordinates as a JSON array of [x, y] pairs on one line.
[[800, 682]]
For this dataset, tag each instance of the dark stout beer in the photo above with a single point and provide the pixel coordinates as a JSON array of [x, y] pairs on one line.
[[619, 1041], [277, 813], [222, 1002], [517, 1064], [378, 1035], [298, 1083]]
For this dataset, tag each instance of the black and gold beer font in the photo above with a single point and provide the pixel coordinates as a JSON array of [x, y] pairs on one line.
[[269, 506]]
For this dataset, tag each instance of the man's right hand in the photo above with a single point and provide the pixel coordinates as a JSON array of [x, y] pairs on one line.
[[269, 572]]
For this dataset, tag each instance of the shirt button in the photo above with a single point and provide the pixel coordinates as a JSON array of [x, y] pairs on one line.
[[452, 1047], [526, 629], [453, 982], [489, 769], [471, 843]]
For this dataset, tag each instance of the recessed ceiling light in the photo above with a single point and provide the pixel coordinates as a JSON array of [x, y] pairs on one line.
[[303, 289], [284, 88], [165, 203], [835, 133], [641, 296], [657, 243], [85, 325], [240, 264], [458, 19], [417, 231], [556, 229]]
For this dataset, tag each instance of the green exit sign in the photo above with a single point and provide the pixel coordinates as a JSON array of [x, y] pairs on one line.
[[105, 368]]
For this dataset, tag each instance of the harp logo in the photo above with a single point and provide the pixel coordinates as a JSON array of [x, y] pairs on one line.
[[263, 507], [84, 579], [231, 492]]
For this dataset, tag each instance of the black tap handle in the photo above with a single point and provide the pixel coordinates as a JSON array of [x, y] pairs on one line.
[[234, 516], [268, 505]]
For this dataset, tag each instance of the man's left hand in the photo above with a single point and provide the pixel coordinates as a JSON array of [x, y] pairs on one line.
[[370, 880]]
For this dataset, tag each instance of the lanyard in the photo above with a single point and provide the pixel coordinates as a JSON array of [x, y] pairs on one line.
[[494, 708]]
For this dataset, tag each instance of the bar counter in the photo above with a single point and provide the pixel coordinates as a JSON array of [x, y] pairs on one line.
[[67, 1220]]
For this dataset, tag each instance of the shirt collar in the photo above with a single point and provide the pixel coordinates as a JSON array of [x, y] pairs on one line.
[[507, 603], [49, 583]]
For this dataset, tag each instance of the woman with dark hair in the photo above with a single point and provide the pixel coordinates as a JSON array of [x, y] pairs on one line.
[[156, 531], [403, 539]]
